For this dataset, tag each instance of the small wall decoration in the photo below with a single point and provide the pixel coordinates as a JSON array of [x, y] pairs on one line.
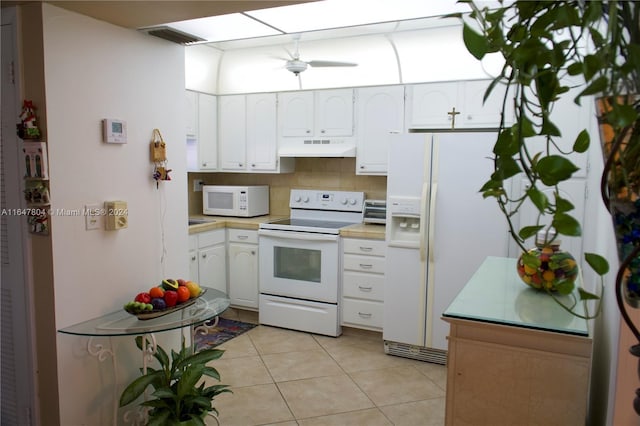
[[159, 157], [35, 160], [38, 220], [36, 192], [28, 127]]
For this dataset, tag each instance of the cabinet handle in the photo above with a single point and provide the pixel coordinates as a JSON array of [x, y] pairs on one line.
[[204, 164], [204, 255], [365, 288], [366, 248], [239, 164], [308, 131], [253, 165], [364, 314], [322, 131], [243, 237], [253, 252], [193, 258], [362, 167], [366, 266]]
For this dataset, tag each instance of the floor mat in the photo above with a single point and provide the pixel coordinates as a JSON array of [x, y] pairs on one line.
[[225, 330]]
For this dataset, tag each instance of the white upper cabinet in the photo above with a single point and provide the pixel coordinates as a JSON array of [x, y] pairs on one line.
[[455, 105], [316, 114], [379, 112], [232, 132], [248, 134], [207, 125], [262, 138], [201, 131]]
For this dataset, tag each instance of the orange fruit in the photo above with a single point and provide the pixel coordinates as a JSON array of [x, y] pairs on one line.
[[183, 294], [156, 292]]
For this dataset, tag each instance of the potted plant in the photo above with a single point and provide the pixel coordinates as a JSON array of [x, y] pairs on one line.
[[179, 397], [544, 45]]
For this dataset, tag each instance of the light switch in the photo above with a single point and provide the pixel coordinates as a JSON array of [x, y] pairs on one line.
[[93, 216]]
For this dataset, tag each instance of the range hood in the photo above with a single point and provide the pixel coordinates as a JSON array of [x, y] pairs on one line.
[[318, 148]]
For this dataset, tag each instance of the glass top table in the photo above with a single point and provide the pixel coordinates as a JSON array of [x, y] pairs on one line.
[[120, 323], [495, 294]]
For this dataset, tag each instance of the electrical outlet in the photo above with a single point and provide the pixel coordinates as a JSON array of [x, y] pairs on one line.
[[197, 185], [93, 216]]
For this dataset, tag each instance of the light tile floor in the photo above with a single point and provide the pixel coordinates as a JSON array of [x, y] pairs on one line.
[[288, 378]]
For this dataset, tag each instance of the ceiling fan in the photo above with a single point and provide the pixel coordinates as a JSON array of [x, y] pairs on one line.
[[296, 65]]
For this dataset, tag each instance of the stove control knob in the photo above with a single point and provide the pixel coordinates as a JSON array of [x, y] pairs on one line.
[[352, 201], [297, 198], [344, 201], [305, 199]]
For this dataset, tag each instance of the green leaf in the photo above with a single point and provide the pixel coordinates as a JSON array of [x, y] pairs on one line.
[[622, 115], [506, 167], [553, 169], [137, 387], [585, 295], [476, 44], [189, 379], [598, 263], [529, 231], [538, 198], [566, 225], [507, 144], [582, 141], [549, 128], [565, 287], [211, 372], [597, 86], [201, 357], [563, 205]]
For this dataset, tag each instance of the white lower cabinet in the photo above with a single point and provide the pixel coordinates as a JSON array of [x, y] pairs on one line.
[[363, 283], [207, 259], [243, 267]]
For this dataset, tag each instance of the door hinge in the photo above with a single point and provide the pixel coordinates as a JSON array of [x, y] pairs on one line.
[[12, 73]]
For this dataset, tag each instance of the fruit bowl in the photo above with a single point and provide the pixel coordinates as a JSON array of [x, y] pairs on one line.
[[156, 313]]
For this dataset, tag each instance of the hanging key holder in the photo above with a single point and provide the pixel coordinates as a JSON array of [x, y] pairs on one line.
[[159, 158]]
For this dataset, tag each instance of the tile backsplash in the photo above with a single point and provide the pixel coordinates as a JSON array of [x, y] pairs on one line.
[[310, 173]]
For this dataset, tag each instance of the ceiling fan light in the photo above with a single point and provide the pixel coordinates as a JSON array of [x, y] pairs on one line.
[[296, 67]]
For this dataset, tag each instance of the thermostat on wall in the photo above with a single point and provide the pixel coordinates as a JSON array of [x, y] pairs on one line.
[[114, 131]]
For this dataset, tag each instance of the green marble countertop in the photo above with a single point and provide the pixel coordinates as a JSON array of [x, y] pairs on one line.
[[495, 294]]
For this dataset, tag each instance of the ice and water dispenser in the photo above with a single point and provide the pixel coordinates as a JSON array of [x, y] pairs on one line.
[[404, 227]]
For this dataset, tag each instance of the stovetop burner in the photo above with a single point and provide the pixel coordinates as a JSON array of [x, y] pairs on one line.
[[320, 211]]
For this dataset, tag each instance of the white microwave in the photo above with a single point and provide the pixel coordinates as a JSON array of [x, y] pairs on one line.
[[239, 201]]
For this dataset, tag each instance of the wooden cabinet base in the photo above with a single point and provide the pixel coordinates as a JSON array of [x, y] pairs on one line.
[[502, 375]]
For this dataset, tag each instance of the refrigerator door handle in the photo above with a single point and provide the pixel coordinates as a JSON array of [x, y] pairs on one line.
[[423, 221], [432, 222]]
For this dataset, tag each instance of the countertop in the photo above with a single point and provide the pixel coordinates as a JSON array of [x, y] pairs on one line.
[[358, 230], [495, 294]]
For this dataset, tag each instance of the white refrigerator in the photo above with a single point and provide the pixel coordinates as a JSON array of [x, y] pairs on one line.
[[439, 230]]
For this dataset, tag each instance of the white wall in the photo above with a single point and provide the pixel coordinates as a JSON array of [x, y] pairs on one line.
[[95, 70]]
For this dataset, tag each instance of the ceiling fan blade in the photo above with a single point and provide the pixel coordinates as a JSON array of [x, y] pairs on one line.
[[331, 64]]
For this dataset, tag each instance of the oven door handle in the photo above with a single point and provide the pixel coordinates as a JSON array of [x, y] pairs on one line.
[[293, 235]]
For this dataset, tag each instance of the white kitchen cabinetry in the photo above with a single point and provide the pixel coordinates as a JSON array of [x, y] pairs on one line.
[[207, 259], [316, 114], [201, 130], [243, 268], [232, 133], [459, 105], [248, 134], [363, 283], [379, 111]]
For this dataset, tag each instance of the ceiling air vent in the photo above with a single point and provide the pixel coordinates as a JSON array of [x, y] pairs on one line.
[[171, 34]]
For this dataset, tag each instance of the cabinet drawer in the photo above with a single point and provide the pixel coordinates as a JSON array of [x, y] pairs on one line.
[[363, 286], [355, 262], [211, 238], [368, 247], [362, 312], [243, 236]]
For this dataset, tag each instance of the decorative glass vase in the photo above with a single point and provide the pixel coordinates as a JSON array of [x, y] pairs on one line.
[[547, 267]]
